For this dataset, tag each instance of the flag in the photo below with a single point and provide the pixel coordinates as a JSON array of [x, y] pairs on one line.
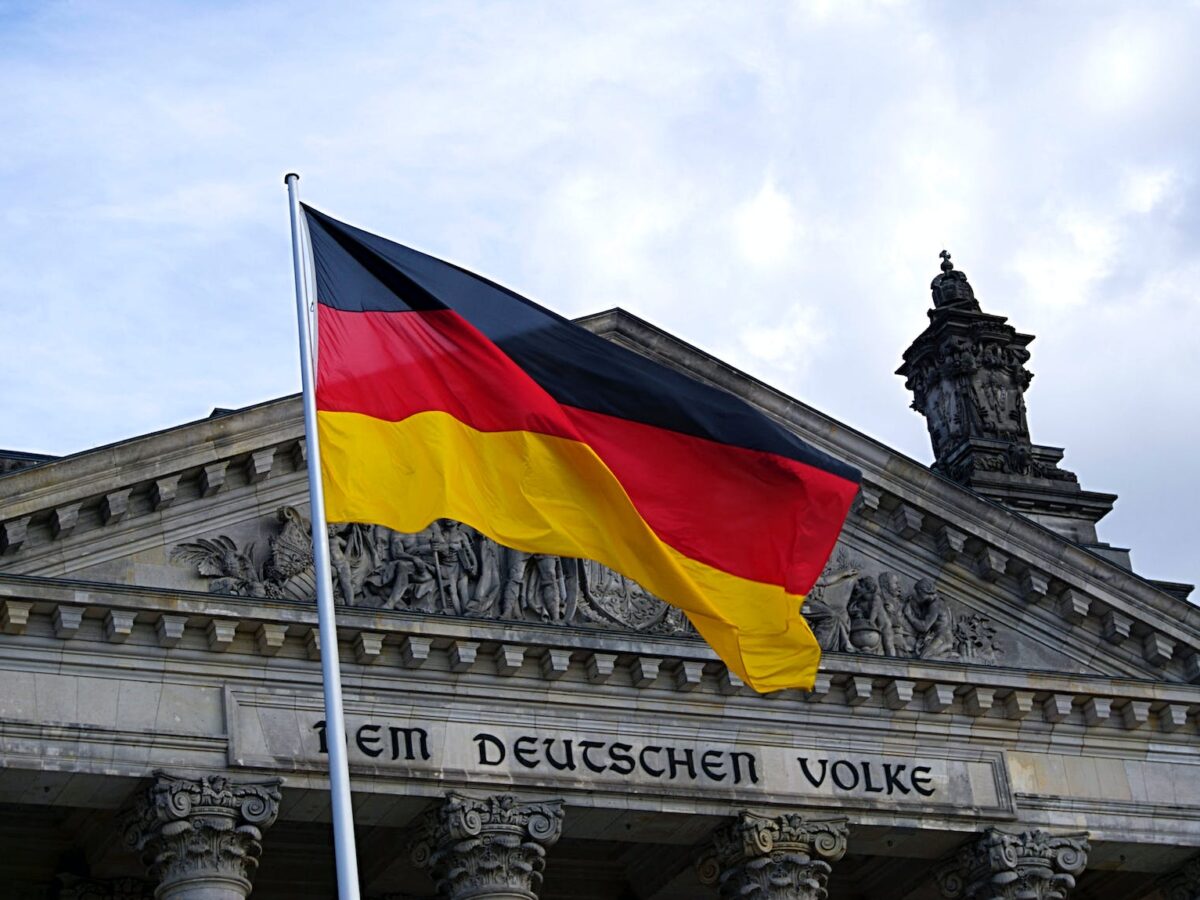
[[441, 394]]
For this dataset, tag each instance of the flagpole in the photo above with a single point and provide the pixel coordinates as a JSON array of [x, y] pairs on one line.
[[335, 726]]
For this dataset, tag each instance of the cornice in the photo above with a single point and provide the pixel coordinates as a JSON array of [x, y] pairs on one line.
[[242, 635]]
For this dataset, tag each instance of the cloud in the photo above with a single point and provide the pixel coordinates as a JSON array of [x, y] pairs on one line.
[[772, 183], [766, 228]]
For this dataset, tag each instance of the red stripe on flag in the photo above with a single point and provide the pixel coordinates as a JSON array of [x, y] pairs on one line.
[[753, 514]]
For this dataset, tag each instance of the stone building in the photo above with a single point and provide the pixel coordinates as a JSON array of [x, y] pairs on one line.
[[1005, 709]]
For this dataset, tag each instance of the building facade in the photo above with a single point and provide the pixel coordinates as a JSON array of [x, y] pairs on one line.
[[1004, 709]]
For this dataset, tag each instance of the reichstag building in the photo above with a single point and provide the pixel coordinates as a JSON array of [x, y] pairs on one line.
[[1005, 710]]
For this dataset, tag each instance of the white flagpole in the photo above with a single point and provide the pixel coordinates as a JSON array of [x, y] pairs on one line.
[[335, 726]]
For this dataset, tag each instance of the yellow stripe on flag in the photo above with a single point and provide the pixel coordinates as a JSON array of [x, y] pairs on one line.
[[553, 495]]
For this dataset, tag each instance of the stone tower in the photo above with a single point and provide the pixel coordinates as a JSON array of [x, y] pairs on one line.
[[967, 373]]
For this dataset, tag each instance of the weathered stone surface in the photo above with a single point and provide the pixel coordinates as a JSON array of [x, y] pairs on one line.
[[784, 857], [493, 847], [968, 377], [1032, 865], [201, 837]]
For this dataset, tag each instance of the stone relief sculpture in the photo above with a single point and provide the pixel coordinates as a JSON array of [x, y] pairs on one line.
[[883, 618], [447, 569], [451, 569]]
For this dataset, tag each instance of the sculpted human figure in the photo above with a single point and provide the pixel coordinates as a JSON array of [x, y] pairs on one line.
[[546, 602], [485, 601], [459, 563], [399, 576], [891, 594], [931, 621], [446, 551], [870, 627], [341, 565]]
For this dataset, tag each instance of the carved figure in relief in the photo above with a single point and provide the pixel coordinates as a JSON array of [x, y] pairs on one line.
[[537, 584], [830, 622], [233, 571], [450, 569], [339, 539], [399, 577], [930, 618], [444, 550], [891, 593], [486, 598], [870, 627]]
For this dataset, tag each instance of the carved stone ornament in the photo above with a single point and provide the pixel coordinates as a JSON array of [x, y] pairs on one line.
[[1183, 884], [202, 835], [781, 858], [493, 847], [968, 378], [449, 569], [1032, 865], [853, 609]]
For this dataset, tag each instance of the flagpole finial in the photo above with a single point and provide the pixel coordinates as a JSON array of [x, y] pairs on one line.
[[289, 176]]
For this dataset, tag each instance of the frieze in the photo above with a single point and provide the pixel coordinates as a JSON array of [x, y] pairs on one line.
[[858, 608], [447, 569], [451, 569]]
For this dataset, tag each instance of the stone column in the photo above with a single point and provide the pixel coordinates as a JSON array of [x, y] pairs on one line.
[[200, 837], [1032, 865], [781, 858], [1183, 884], [493, 848]]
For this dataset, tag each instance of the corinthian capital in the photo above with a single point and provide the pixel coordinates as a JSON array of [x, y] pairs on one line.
[[779, 858], [493, 847], [1032, 865], [202, 834]]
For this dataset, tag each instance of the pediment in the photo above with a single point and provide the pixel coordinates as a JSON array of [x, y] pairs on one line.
[[924, 569]]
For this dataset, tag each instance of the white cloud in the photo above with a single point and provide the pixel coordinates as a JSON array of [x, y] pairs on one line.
[[766, 228], [770, 182], [1144, 189]]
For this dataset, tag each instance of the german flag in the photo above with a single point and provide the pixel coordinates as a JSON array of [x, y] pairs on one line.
[[441, 394]]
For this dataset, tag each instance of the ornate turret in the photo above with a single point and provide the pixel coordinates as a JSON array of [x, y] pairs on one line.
[[968, 378]]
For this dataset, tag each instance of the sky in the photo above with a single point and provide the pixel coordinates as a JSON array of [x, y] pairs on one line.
[[769, 181]]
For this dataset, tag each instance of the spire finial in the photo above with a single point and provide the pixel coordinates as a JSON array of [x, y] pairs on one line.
[[947, 266]]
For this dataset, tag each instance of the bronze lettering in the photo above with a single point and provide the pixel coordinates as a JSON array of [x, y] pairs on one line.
[[920, 778], [584, 747], [814, 781], [844, 766], [737, 769], [713, 769], [409, 733], [567, 763], [622, 762], [867, 786], [674, 762], [891, 777], [525, 754], [657, 773], [485, 741], [369, 734]]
